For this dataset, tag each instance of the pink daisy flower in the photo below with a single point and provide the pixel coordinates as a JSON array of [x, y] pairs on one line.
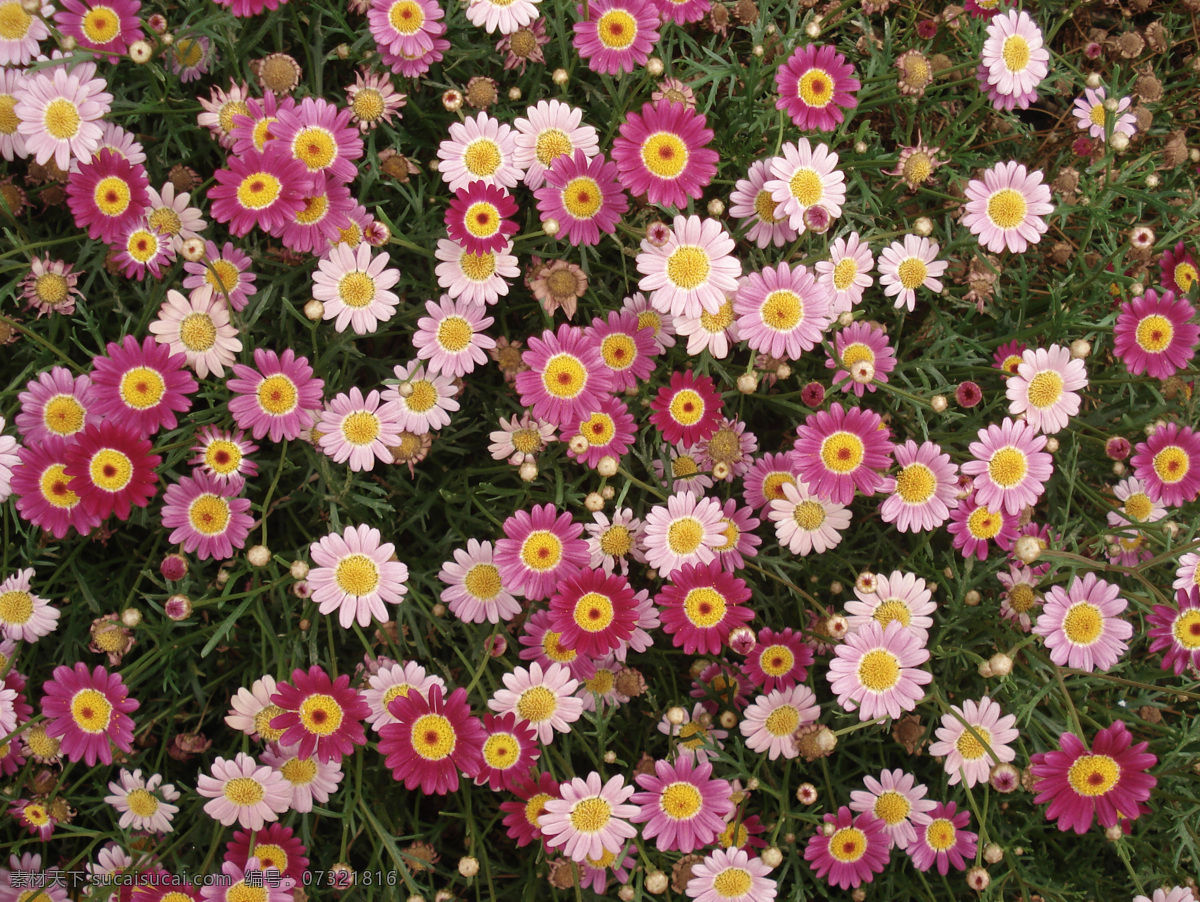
[[542, 645], [1082, 626], [540, 549], [312, 782], [264, 190], [360, 431], [474, 591], [972, 753], [506, 15], [481, 149], [144, 804], [50, 285], [839, 450], [687, 470], [845, 273], [1168, 464], [731, 874], [1014, 60], [701, 605], [584, 196], [661, 324], [547, 132], [1091, 115], [171, 214], [59, 112], [22, 37], [782, 311], [108, 26], [275, 847], [107, 194], [24, 616], [688, 409], [9, 458], [373, 99], [318, 134], [324, 218], [566, 378], [615, 36], [540, 698], [451, 338], [89, 712], [815, 84], [143, 385], [593, 613], [902, 597], [1174, 894], [353, 285], [1021, 596], [804, 178], [662, 153], [1045, 388], [858, 344], [897, 800], [693, 271], [509, 751], [771, 720], [685, 530], [903, 268], [224, 454], [614, 542], [1154, 335], [243, 791], [779, 660], [975, 525], [321, 716], [427, 401], [206, 515], [683, 806], [251, 710], [405, 27], [924, 492], [43, 491], [222, 273], [1009, 466], [55, 403], [764, 480], [393, 681], [1179, 269], [856, 850], [1008, 357], [275, 396], [356, 576], [1107, 782], [35, 816], [806, 523], [475, 278], [1176, 631], [591, 817], [432, 740], [1008, 208], [626, 348], [523, 817], [111, 470], [875, 671], [478, 218], [752, 202], [697, 736], [197, 327], [941, 839], [712, 332], [740, 540], [142, 249]]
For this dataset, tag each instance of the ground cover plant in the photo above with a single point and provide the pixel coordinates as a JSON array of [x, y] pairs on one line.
[[638, 449]]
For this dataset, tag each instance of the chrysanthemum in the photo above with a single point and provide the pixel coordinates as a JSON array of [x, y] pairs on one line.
[[107, 194], [1179, 269], [752, 202], [322, 716], [1154, 334], [141, 249], [566, 379], [541, 548], [1014, 60], [50, 285], [275, 396], [1082, 626], [923, 492], [1175, 631], [144, 804], [89, 712], [840, 450], [687, 471], [451, 338], [111, 470], [432, 740], [688, 409], [615, 36], [896, 799], [584, 196], [24, 616], [974, 525], [360, 431], [108, 26], [393, 681], [319, 135], [170, 213], [252, 710], [243, 791], [56, 403], [845, 273], [427, 400], [354, 285], [1009, 466], [43, 491], [548, 131], [942, 839], [475, 278], [974, 739], [207, 515], [22, 34], [684, 531], [197, 327], [701, 605], [769, 722], [693, 271], [355, 576], [662, 153], [806, 523], [523, 817], [405, 27], [712, 332], [481, 149], [1007, 208], [1174, 894], [876, 671], [540, 697], [779, 660], [1091, 114], [593, 613], [373, 99], [58, 112], [1020, 597], [662, 324], [815, 84], [223, 454], [613, 542], [222, 273], [591, 818], [542, 645], [858, 344], [143, 385], [741, 541], [626, 348], [683, 806], [1108, 782], [1045, 386], [324, 219], [902, 597], [782, 311], [474, 591], [478, 218], [275, 847], [508, 753], [903, 268], [264, 190], [805, 177], [856, 850], [1168, 464], [35, 816]]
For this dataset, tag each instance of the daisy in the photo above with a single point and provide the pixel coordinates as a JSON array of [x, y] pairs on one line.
[[903, 268], [1091, 115], [858, 344], [853, 853], [43, 490], [591, 817], [36, 817], [662, 153], [56, 404], [275, 847], [661, 324], [475, 278], [941, 839], [25, 617], [451, 338], [509, 752], [399, 679], [356, 576], [764, 480], [613, 542], [474, 591], [682, 805], [1175, 894], [479, 150], [144, 804], [1009, 466], [1179, 269], [540, 549], [1014, 60], [701, 605], [902, 597], [50, 285], [684, 531], [974, 739], [319, 134], [779, 660], [22, 34], [427, 399], [405, 27], [190, 57], [626, 349], [223, 454], [478, 218], [197, 327], [432, 740], [923, 493], [547, 132], [840, 450], [781, 311], [360, 430], [897, 800], [566, 379], [974, 525], [615, 36], [58, 112], [373, 99], [875, 671], [768, 724], [324, 218], [171, 215], [740, 539], [1007, 208], [107, 194], [310, 780], [806, 523], [108, 26], [89, 712], [521, 439], [541, 698], [815, 84], [712, 332], [142, 385], [804, 178], [687, 410], [207, 516], [1107, 782], [593, 613], [542, 645], [608, 430], [264, 190], [1082, 626], [1045, 388], [322, 716], [1168, 464], [243, 791], [845, 273], [693, 271], [275, 396], [253, 711], [111, 470], [1176, 631], [584, 196], [1020, 596], [1154, 334], [353, 285], [141, 249], [222, 273], [523, 817], [752, 202]]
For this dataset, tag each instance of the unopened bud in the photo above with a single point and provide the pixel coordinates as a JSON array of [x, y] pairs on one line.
[[299, 570], [314, 310], [938, 403], [468, 866], [514, 93], [259, 556], [438, 610], [1093, 80], [971, 598], [978, 879], [860, 147], [728, 720], [721, 470], [992, 853], [1028, 549], [1081, 348], [593, 502], [716, 207], [1120, 142], [836, 627], [676, 715], [140, 52], [578, 444], [192, 250], [560, 76], [747, 383], [923, 226], [607, 466], [528, 471], [772, 857], [551, 227], [1001, 664], [131, 617]]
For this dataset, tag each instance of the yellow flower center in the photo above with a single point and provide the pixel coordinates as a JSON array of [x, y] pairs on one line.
[[842, 452], [665, 155], [101, 24], [356, 289], [731, 533], [1006, 208], [501, 751], [261, 132], [891, 807], [1093, 775], [221, 275], [1008, 467], [940, 835], [844, 274], [599, 429], [9, 123], [454, 334], [1185, 275], [705, 607], [188, 53], [912, 272], [223, 457], [809, 515], [165, 220], [1171, 464], [984, 524], [244, 792], [1016, 53], [605, 860], [782, 310], [259, 190], [433, 737], [209, 515], [16, 607], [848, 844], [687, 407], [368, 105], [54, 487], [591, 815], [1186, 629], [143, 245], [680, 801], [527, 441], [776, 660], [971, 748], [482, 157], [766, 207], [142, 803], [198, 332], [618, 350], [602, 683], [594, 612], [542, 550], [879, 670], [41, 745], [262, 723], [37, 814], [240, 892], [915, 484], [616, 541], [616, 29], [63, 415], [357, 574], [482, 581], [321, 714], [815, 88], [406, 17], [552, 144], [649, 319], [773, 484], [299, 772], [783, 720], [91, 711], [806, 187], [537, 704], [315, 209], [478, 267], [110, 469], [1021, 598], [228, 110], [892, 609], [1138, 506], [1097, 114], [917, 168], [14, 21], [582, 197], [111, 195], [1045, 389], [554, 648], [684, 535], [141, 388], [277, 395], [424, 396], [684, 466], [688, 267], [271, 856], [536, 806], [719, 321], [1083, 624], [361, 428], [565, 376]]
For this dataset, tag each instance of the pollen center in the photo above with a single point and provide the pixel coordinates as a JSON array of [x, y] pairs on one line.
[[1093, 775], [915, 484], [912, 272], [665, 155], [1008, 467], [1045, 389], [842, 452], [783, 720], [806, 187], [1083, 624], [809, 515], [1006, 208], [591, 815], [1016, 53], [483, 582], [879, 670], [687, 407], [680, 801], [321, 714], [782, 310], [357, 574], [433, 737], [688, 267], [940, 835], [971, 748], [582, 197], [63, 415], [848, 844], [62, 119], [684, 535], [482, 157], [541, 551], [110, 469], [277, 395], [361, 428], [209, 515], [1171, 464], [244, 792], [815, 88], [356, 289], [892, 807], [197, 332], [454, 334], [616, 29], [258, 190], [705, 607], [552, 144], [537, 704]]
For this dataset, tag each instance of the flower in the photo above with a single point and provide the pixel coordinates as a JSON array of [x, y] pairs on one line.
[[523, 817], [1009, 466], [779, 660], [360, 430], [686, 530], [373, 99], [275, 396], [405, 28], [1108, 782], [392, 681], [627, 349], [770, 722], [222, 273], [321, 716], [521, 439], [1168, 464], [43, 490], [1044, 388], [541, 698], [356, 576], [144, 804], [805, 522], [583, 195], [49, 286], [897, 800], [107, 194], [856, 850], [712, 332], [1179, 269], [941, 838], [839, 450], [171, 215], [1176, 631], [197, 327], [782, 311], [478, 218], [1091, 114], [752, 202], [275, 847], [661, 153], [805, 178], [974, 524], [542, 645], [432, 740], [903, 268], [24, 616], [1082, 626], [109, 26], [688, 409], [902, 597], [1020, 596], [310, 779], [140, 248], [207, 515], [692, 271], [354, 285], [923, 493], [318, 134], [540, 549], [475, 278], [1175, 894], [844, 274], [1008, 208], [474, 591], [243, 791], [566, 379], [973, 739], [143, 385], [264, 190], [58, 112], [815, 84], [479, 150], [682, 805], [35, 816], [701, 605], [429, 403], [590, 818], [451, 338], [1154, 335], [224, 454], [89, 712], [547, 132], [508, 753], [21, 40], [111, 470], [1014, 60], [875, 671], [615, 36], [594, 613]]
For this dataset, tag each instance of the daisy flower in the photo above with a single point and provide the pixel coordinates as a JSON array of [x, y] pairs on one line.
[[1091, 115], [1008, 357], [43, 490], [896, 799], [275, 847], [222, 273], [941, 839], [542, 645], [1107, 782], [108, 26], [1009, 466], [59, 111], [479, 150], [475, 278], [451, 338], [593, 613], [764, 480], [782, 311], [1082, 626], [50, 285], [360, 430], [107, 194], [974, 525], [875, 671], [1014, 60], [844, 274], [523, 817], [428, 400], [264, 190], [541, 698], [275, 396], [111, 470], [686, 470], [685, 530], [615, 36], [1007, 208], [548, 131], [740, 540], [24, 616], [23, 32], [803, 178], [584, 196], [142, 385], [432, 740], [170, 214], [806, 523], [839, 450], [661, 324], [56, 403], [207, 515], [815, 84], [1176, 631], [752, 202], [253, 711], [373, 99], [322, 716], [613, 542], [688, 409], [323, 220], [701, 605], [1179, 269], [1174, 894], [521, 439], [903, 268], [626, 348], [142, 249], [662, 153], [693, 271], [197, 327], [712, 332], [353, 285], [974, 739], [682, 805], [319, 135], [36, 817], [190, 57], [144, 804], [243, 791], [902, 597], [355, 575], [566, 378], [861, 343], [405, 27], [505, 15], [509, 751], [310, 780], [223, 454], [591, 817], [1020, 596], [1045, 386], [89, 712], [1154, 335], [922, 494], [478, 218], [779, 660], [1168, 464], [540, 549], [474, 591], [853, 853], [396, 680], [770, 722]]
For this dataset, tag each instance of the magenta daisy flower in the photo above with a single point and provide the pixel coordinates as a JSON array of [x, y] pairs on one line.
[[782, 311], [224, 454], [56, 403], [1154, 335], [923, 492], [806, 523], [1045, 388], [764, 480], [615, 36], [566, 378], [322, 716], [540, 549], [1008, 208], [1179, 269], [318, 134], [973, 739], [815, 85], [24, 616], [1008, 357], [107, 194], [478, 218], [108, 26], [1082, 626], [582, 195], [141, 249], [142, 386], [540, 697], [1176, 631], [1107, 782], [548, 131], [111, 470], [627, 349], [941, 839], [509, 751], [662, 153], [356, 576], [264, 190], [523, 817], [89, 712], [44, 493], [683, 806], [740, 539], [853, 853], [593, 613], [876, 671], [1014, 60], [50, 285], [693, 271], [591, 818], [839, 450], [975, 525], [222, 273], [207, 515], [58, 113], [688, 409], [36, 817], [771, 720], [805, 178], [275, 847], [324, 219], [903, 268], [1009, 466], [360, 431], [474, 591], [686, 530], [475, 278], [1168, 464], [197, 327], [451, 338], [779, 660], [243, 791], [275, 396], [701, 605], [406, 28], [896, 799], [860, 344]]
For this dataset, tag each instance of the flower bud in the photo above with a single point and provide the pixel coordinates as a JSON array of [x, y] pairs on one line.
[[1080, 348], [178, 607], [772, 857], [978, 879], [314, 310], [193, 250], [560, 77], [593, 502], [742, 640], [259, 556], [578, 444], [806, 794], [939, 403], [1001, 664], [971, 598], [716, 208], [299, 570], [1028, 549], [923, 226], [676, 715], [607, 466], [131, 617], [992, 853], [140, 52], [528, 471], [551, 227], [728, 720], [468, 866], [1093, 80]]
